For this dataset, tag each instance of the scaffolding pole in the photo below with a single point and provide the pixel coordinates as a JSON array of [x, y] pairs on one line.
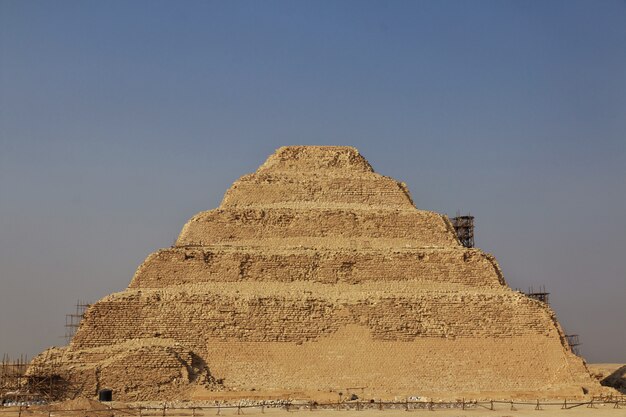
[[464, 228]]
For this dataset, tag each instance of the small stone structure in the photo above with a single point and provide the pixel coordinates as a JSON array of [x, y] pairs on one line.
[[317, 274]]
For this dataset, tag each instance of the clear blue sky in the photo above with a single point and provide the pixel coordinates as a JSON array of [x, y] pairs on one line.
[[121, 119]]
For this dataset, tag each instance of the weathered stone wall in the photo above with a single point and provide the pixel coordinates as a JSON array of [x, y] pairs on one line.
[[138, 369], [326, 160], [318, 274], [437, 366], [451, 267], [332, 228], [273, 190], [307, 312]]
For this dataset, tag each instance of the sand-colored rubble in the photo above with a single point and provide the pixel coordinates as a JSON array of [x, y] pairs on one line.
[[316, 274]]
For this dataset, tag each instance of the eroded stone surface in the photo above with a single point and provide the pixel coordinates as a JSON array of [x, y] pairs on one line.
[[316, 273]]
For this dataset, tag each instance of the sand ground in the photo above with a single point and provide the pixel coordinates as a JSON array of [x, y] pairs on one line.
[[500, 410], [602, 370]]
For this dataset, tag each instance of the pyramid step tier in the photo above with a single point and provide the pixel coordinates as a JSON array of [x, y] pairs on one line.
[[319, 228], [299, 312], [273, 190], [329, 160], [457, 267]]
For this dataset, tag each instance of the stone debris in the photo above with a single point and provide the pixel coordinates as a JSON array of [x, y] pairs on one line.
[[318, 274]]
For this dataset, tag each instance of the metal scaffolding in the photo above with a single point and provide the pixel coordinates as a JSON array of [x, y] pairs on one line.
[[541, 295], [21, 381], [72, 321], [573, 341], [464, 228], [12, 374]]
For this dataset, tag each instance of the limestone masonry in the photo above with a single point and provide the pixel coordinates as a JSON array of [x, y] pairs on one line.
[[316, 274]]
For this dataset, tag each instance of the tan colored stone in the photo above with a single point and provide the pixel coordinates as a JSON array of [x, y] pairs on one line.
[[317, 274]]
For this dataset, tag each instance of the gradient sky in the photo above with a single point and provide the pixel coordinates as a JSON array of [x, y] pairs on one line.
[[121, 119]]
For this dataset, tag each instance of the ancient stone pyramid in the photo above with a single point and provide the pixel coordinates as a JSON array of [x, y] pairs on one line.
[[316, 274]]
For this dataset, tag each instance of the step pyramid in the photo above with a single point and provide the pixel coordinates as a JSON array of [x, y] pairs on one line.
[[316, 274]]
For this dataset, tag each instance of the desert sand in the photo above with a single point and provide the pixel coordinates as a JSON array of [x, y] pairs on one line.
[[500, 410]]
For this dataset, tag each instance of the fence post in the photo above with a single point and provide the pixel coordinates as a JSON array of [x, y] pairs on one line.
[[463, 404]]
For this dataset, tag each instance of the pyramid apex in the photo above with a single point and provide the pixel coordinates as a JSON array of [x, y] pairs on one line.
[[314, 157]]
